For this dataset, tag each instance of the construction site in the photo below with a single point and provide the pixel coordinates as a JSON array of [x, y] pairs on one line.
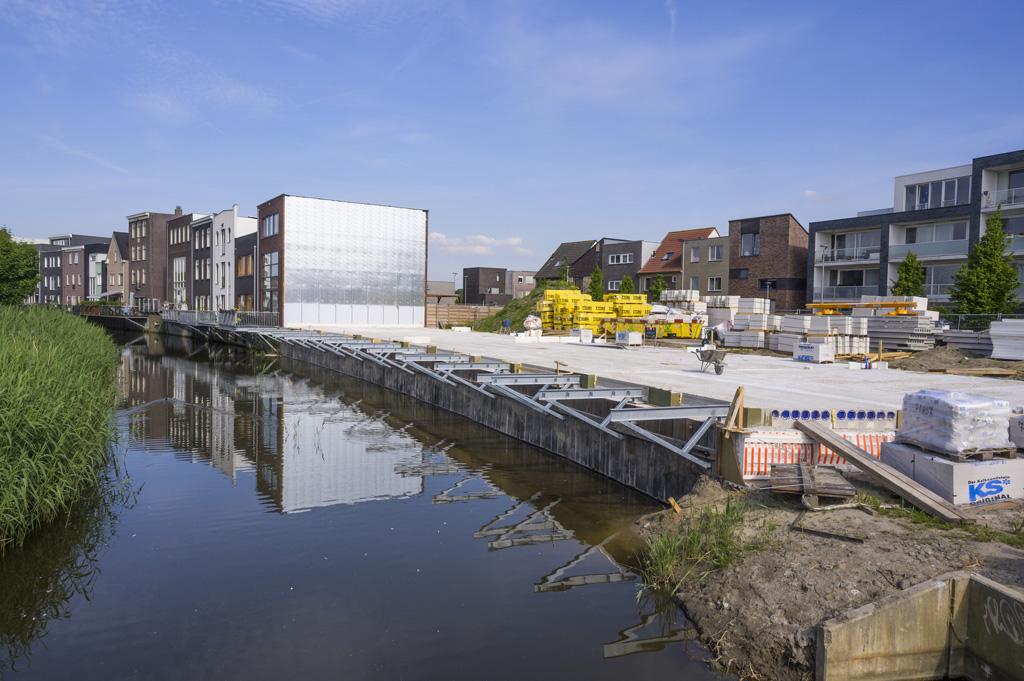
[[883, 509]]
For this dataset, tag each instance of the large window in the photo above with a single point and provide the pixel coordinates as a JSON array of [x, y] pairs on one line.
[[952, 192], [694, 254], [271, 225], [715, 283], [620, 258], [243, 268], [614, 285], [750, 244], [853, 277], [855, 245], [715, 253], [694, 283], [271, 282], [940, 231]]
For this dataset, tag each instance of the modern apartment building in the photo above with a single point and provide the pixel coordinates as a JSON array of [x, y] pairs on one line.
[[485, 286], [937, 214], [243, 285], [50, 289], [83, 270], [147, 256], [179, 274], [228, 226], [696, 259], [117, 266], [519, 283], [322, 261], [621, 259], [202, 265], [767, 259]]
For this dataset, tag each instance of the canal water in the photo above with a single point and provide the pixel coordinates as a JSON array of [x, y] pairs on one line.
[[270, 522]]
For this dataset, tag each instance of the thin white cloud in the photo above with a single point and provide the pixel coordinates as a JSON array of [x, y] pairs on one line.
[[478, 244], [670, 8], [810, 193], [62, 147]]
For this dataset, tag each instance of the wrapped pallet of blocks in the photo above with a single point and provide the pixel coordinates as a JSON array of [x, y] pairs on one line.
[[754, 306], [954, 422], [1007, 339]]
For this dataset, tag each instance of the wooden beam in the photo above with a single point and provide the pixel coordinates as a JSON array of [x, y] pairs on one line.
[[883, 474]]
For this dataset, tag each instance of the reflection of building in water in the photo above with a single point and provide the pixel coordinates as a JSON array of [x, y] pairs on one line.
[[313, 450], [145, 381]]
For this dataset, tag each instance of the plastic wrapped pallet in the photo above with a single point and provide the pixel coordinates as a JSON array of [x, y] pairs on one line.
[[797, 323], [754, 305], [954, 422], [720, 315], [1007, 339], [1017, 429], [741, 322]]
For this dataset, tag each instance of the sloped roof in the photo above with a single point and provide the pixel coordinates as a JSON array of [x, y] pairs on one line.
[[567, 252], [668, 256], [121, 239]]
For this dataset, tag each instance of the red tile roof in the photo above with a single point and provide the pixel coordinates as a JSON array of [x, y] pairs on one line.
[[672, 246]]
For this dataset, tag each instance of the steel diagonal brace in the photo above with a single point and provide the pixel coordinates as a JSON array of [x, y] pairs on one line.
[[468, 384], [585, 418], [428, 372], [524, 400], [658, 440]]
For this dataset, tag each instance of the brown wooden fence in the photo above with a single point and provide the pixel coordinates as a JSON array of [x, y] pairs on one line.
[[457, 315]]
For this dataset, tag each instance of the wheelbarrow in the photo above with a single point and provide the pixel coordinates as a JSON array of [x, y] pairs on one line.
[[711, 357]]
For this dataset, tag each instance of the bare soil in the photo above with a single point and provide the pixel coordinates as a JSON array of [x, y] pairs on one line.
[[759, 615], [946, 357]]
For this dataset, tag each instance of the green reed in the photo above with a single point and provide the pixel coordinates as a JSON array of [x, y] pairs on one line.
[[58, 385]]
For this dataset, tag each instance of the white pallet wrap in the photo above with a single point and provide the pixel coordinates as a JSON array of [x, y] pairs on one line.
[[1007, 339], [964, 483], [814, 352], [797, 323], [954, 422]]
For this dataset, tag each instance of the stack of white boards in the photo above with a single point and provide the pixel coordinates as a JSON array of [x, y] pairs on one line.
[[743, 339], [784, 342], [756, 322], [1007, 339], [680, 296], [919, 303], [901, 332], [721, 309], [754, 306], [796, 323], [838, 324], [976, 343], [940, 430]]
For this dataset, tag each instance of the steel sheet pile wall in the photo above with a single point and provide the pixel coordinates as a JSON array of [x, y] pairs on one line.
[[353, 263]]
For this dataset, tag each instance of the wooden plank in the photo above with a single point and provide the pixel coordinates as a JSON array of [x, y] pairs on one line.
[[883, 474]]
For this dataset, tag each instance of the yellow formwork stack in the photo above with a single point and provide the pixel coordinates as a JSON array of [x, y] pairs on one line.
[[629, 305], [564, 309], [556, 308]]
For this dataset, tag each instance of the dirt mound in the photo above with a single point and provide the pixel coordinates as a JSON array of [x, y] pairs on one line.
[[945, 357]]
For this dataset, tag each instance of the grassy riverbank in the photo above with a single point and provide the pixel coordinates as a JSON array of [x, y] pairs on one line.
[[58, 385]]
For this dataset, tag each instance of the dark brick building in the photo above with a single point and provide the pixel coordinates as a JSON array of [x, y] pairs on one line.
[[201, 263], [147, 256], [485, 286], [245, 264], [179, 276], [768, 259]]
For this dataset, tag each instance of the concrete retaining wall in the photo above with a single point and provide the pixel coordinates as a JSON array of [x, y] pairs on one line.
[[955, 626], [636, 463]]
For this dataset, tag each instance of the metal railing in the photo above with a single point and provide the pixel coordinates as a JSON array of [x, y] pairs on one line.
[[237, 318], [844, 292], [1005, 197], [973, 322], [846, 254], [937, 289], [930, 248]]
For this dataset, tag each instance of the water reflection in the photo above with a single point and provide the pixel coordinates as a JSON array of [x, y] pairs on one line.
[[58, 564], [378, 504]]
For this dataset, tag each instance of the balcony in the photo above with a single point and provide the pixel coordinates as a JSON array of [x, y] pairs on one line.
[[930, 249], [1005, 198], [845, 292], [845, 255]]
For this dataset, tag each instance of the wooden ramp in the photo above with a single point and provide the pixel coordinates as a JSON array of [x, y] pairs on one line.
[[883, 474]]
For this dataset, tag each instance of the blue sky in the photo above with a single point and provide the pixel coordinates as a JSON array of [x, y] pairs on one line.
[[518, 124]]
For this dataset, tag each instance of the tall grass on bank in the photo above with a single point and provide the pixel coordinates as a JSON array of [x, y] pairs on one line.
[[710, 540], [58, 386]]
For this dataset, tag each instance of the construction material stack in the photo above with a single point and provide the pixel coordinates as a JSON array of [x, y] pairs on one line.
[[556, 308], [958, 446], [722, 309], [793, 330], [1007, 339], [629, 305], [684, 303]]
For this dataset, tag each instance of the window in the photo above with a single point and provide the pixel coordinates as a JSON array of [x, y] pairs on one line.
[[694, 283], [668, 255], [715, 283], [244, 302], [750, 244], [243, 268], [952, 192], [620, 258], [939, 231], [694, 254], [743, 273], [614, 285], [715, 253], [271, 225], [271, 282]]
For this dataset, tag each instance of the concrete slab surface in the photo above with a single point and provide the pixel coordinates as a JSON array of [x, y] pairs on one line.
[[770, 382]]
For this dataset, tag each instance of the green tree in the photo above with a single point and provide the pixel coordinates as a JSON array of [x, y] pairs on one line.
[[597, 284], [19, 269], [564, 273], [655, 288], [909, 277], [627, 285], [987, 283]]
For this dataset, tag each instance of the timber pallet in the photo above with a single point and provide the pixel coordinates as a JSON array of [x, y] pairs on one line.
[[973, 454]]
